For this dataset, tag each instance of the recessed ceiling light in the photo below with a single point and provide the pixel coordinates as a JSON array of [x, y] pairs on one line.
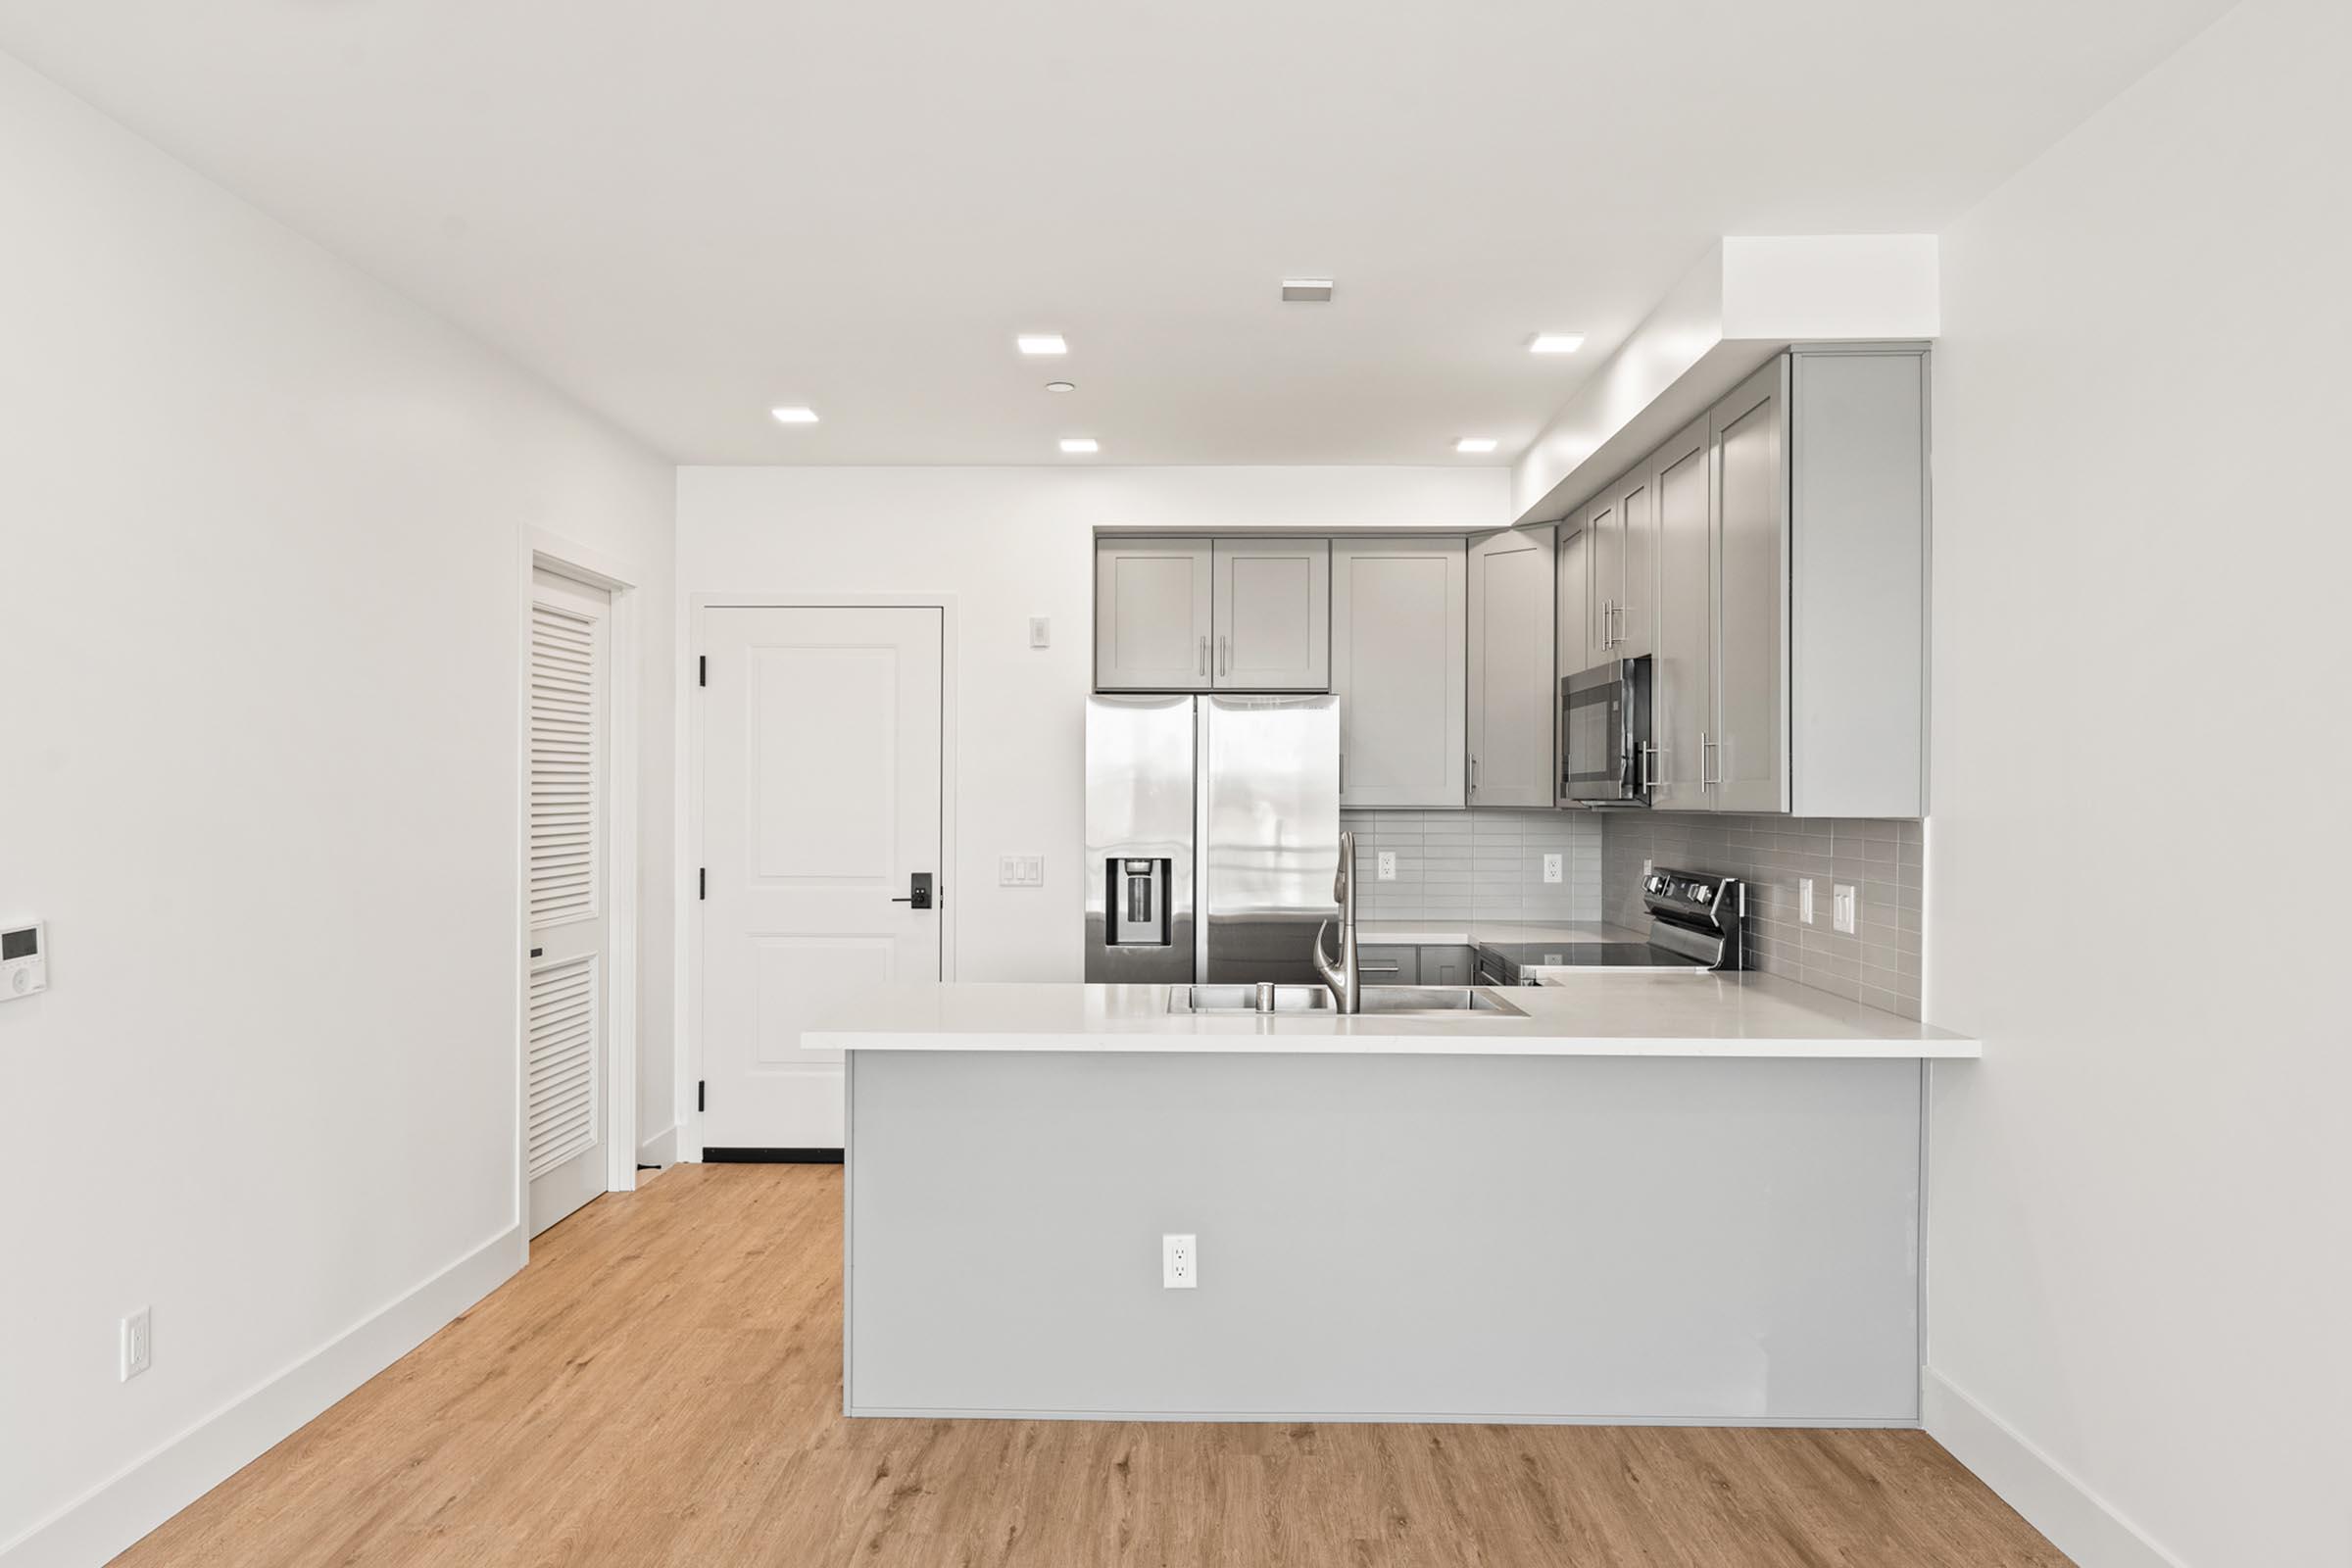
[[1062, 387], [1306, 290], [797, 413], [1555, 342], [1079, 444], [1041, 343], [1475, 443]]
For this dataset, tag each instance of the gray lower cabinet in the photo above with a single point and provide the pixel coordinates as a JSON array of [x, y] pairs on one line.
[[1449, 966], [1151, 615], [1511, 684], [1400, 652], [1389, 967], [1272, 615]]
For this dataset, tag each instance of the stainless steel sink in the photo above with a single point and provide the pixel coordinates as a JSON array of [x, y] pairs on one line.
[[1387, 1001]]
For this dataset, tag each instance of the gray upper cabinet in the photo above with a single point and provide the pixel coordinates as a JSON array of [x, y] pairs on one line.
[[1788, 530], [1151, 615], [1683, 670], [1400, 652], [1272, 615], [1604, 578], [1747, 762], [1857, 498], [1511, 686], [1573, 605], [1622, 586]]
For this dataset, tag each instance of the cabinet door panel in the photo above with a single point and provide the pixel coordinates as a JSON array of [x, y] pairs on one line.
[[1151, 615], [1512, 687], [1683, 683], [1400, 653], [1637, 551], [1449, 966], [1273, 614], [1604, 582], [1574, 652], [1389, 967], [1749, 740]]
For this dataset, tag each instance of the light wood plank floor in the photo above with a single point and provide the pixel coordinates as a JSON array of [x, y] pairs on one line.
[[661, 1386]]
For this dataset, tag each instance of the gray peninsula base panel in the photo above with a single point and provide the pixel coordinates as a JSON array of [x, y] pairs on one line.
[[1410, 1238]]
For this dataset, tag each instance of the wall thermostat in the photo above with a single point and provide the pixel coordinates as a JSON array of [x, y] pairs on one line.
[[23, 959]]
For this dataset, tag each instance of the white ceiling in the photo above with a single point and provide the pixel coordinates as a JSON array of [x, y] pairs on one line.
[[684, 211]]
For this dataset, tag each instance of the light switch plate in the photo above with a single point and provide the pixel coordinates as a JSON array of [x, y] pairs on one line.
[[1804, 900], [1040, 632], [1841, 906], [1020, 870], [1388, 866]]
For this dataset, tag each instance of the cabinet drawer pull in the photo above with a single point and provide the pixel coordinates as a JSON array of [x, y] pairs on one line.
[[1204, 653]]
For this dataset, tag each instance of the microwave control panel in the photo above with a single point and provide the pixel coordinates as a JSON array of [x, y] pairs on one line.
[[23, 960]]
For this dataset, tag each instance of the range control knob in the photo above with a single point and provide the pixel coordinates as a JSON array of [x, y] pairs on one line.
[[1700, 893], [1656, 884]]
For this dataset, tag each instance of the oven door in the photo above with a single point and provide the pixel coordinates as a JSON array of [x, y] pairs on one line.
[[1605, 734]]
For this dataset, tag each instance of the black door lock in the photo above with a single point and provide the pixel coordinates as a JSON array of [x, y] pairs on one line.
[[919, 891]]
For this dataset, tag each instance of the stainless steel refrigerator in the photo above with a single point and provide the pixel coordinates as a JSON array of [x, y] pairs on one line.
[[1212, 833]]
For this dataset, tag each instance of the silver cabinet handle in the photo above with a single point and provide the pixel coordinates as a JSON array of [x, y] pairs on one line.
[[1224, 656], [1705, 746], [1204, 653], [1342, 772], [1375, 969], [1644, 779], [1474, 777]]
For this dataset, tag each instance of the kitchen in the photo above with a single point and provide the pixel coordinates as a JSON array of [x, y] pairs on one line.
[[1263, 784], [1229, 972]]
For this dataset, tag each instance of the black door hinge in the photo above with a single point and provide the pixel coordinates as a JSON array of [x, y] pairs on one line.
[[701, 669], [699, 1085], [702, 881]]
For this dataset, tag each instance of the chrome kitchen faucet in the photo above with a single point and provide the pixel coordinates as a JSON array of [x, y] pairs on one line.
[[1346, 983]]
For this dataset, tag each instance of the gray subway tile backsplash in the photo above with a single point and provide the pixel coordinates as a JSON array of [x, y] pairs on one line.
[[1477, 864], [1878, 965], [1488, 865]]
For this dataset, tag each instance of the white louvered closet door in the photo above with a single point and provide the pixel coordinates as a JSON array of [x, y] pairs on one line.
[[565, 906]]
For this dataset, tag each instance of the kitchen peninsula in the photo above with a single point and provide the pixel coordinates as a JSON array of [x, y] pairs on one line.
[[1630, 1197]]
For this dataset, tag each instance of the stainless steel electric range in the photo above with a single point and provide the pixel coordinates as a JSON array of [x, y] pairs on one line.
[[1695, 923]]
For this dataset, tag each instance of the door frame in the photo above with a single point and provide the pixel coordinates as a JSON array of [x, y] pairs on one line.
[[625, 662], [687, 1019]]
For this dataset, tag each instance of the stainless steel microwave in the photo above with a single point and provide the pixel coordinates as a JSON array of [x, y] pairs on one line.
[[1605, 741]]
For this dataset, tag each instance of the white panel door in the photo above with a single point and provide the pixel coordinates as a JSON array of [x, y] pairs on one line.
[[566, 902], [821, 805]]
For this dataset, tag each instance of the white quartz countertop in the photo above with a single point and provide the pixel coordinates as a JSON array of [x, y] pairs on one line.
[[1474, 933], [1592, 1013]]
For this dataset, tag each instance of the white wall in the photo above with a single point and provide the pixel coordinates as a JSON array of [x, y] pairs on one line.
[[2141, 1231], [1012, 543], [260, 524]]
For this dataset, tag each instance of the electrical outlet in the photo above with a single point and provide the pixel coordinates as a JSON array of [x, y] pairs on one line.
[[1179, 1262], [1552, 867], [1388, 866], [1804, 900], [1841, 906], [138, 1343]]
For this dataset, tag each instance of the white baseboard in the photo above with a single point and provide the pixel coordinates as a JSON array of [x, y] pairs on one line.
[[2078, 1520], [118, 1511], [660, 1150]]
